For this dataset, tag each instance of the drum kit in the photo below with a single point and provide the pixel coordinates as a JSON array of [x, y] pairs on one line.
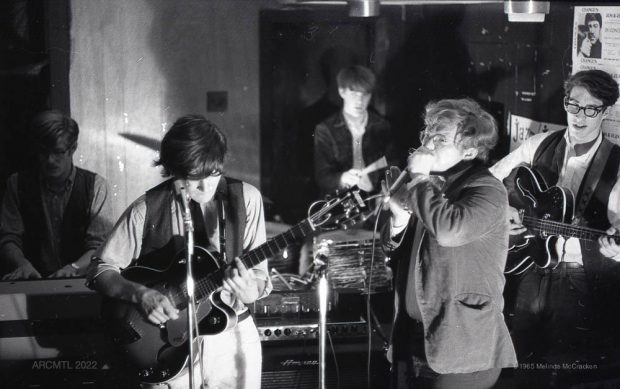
[[357, 265], [354, 260], [345, 260]]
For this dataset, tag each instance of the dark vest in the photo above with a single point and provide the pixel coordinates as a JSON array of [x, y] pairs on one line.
[[603, 273], [159, 246], [75, 220], [548, 161]]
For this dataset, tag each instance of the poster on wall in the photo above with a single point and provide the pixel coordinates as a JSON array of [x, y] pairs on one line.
[[596, 45], [522, 128]]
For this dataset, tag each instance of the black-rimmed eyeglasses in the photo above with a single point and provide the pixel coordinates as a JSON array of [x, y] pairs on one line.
[[574, 109]]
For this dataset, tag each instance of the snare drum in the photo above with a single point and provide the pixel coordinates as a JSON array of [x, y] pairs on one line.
[[349, 265]]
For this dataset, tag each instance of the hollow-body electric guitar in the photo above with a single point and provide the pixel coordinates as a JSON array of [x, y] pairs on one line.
[[547, 212], [160, 353]]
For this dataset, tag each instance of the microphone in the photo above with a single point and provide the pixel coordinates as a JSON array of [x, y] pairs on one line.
[[402, 179], [181, 190]]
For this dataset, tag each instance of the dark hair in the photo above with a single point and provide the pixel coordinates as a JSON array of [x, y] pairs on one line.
[[592, 17], [598, 83], [193, 148], [357, 78], [49, 128], [476, 127]]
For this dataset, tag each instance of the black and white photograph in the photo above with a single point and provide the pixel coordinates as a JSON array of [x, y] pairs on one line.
[[309, 194]]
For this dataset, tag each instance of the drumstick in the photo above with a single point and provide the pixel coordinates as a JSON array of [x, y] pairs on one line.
[[378, 164]]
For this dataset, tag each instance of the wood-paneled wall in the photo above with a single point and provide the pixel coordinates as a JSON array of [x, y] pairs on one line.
[[137, 65]]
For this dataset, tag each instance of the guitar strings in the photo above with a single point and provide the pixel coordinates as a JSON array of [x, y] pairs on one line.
[[554, 226], [250, 259]]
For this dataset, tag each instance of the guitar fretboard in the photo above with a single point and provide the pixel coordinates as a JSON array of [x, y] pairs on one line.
[[273, 246], [550, 227]]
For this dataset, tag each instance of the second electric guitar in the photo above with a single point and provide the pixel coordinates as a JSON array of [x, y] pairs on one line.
[[547, 212]]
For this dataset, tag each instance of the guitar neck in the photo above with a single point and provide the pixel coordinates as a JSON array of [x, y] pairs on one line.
[[548, 227], [212, 282]]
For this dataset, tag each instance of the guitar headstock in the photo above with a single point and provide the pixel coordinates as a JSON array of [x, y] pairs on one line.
[[343, 210]]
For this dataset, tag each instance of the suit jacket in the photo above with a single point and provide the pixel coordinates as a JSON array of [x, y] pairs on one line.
[[459, 276]]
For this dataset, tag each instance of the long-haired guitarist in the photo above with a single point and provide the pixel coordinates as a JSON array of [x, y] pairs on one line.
[[555, 312], [228, 219]]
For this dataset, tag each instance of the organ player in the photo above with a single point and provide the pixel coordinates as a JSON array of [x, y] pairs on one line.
[[53, 216]]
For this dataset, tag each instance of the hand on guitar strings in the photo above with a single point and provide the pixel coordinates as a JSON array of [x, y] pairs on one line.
[[157, 307], [609, 246], [515, 222], [240, 281]]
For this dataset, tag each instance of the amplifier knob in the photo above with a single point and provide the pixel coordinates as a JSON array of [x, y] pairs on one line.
[[287, 331], [267, 332], [278, 332]]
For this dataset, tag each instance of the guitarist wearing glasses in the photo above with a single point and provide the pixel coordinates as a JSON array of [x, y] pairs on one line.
[[228, 219], [565, 201]]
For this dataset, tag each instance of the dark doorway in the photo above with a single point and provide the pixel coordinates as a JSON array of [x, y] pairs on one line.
[[301, 53]]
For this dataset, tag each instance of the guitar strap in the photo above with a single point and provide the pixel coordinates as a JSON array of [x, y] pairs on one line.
[[592, 177], [558, 158], [201, 234], [549, 157], [221, 216]]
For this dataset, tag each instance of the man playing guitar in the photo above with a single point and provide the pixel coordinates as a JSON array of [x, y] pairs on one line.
[[557, 309], [151, 232]]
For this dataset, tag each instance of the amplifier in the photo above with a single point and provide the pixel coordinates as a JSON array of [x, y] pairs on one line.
[[290, 305], [294, 364], [290, 314], [285, 332]]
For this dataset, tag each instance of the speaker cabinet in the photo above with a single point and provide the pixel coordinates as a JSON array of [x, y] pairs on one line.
[[294, 364]]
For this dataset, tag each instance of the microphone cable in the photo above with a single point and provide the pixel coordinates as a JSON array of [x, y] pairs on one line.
[[369, 312]]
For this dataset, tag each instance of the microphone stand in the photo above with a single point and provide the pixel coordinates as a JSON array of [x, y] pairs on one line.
[[191, 300], [320, 268]]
